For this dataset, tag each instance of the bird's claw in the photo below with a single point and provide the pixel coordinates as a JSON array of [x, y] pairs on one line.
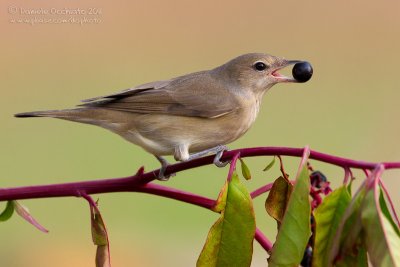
[[161, 174], [217, 159]]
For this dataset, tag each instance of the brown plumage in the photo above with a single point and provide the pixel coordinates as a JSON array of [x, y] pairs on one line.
[[187, 114]]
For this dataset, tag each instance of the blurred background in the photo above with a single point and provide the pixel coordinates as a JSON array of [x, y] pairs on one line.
[[349, 108]]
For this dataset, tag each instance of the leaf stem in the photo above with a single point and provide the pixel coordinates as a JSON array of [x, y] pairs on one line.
[[176, 194], [232, 166], [347, 175], [261, 190], [263, 240], [200, 201]]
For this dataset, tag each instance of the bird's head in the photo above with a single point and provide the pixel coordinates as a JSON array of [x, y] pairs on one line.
[[258, 72]]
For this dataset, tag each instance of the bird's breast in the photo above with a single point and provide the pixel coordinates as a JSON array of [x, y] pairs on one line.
[[245, 118]]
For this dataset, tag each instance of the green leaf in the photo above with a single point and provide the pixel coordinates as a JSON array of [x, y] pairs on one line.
[[245, 170], [278, 198], [24, 213], [230, 239], [366, 227], [295, 230], [269, 166], [383, 243], [8, 212], [327, 218], [348, 248], [386, 212], [349, 186]]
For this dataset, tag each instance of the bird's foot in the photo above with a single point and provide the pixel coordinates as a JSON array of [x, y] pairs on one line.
[[219, 150], [217, 159], [203, 153], [164, 164]]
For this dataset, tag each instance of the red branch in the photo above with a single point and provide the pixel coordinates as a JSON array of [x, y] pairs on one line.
[[263, 241], [176, 194], [261, 190], [133, 183], [140, 182], [204, 202]]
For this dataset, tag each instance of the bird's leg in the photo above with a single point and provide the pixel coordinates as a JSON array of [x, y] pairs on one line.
[[182, 154], [164, 165], [219, 150]]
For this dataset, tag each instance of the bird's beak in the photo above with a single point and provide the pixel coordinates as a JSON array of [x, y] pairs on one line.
[[279, 78]]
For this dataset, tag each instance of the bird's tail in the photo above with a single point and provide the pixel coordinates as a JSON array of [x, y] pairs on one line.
[[62, 114], [83, 115], [104, 118]]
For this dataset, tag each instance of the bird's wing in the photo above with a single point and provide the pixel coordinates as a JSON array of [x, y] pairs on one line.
[[194, 95], [129, 91]]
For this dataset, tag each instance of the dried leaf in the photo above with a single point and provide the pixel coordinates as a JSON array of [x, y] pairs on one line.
[[100, 237], [278, 198]]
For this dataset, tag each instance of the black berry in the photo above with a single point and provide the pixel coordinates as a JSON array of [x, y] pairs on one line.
[[302, 71]]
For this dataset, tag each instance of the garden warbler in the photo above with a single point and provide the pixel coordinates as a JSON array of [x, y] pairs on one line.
[[191, 115]]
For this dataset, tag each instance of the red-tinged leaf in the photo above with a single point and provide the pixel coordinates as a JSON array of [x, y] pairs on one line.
[[269, 166], [245, 170], [350, 245], [295, 230], [356, 258], [8, 212], [230, 239], [327, 218], [382, 241], [221, 200], [24, 213], [100, 237], [278, 198]]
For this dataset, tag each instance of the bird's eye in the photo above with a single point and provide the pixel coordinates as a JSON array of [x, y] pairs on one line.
[[260, 66]]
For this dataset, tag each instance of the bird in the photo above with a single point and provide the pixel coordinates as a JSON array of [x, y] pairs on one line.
[[191, 115]]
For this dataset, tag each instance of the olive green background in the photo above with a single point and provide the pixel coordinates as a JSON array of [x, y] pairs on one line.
[[349, 108]]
